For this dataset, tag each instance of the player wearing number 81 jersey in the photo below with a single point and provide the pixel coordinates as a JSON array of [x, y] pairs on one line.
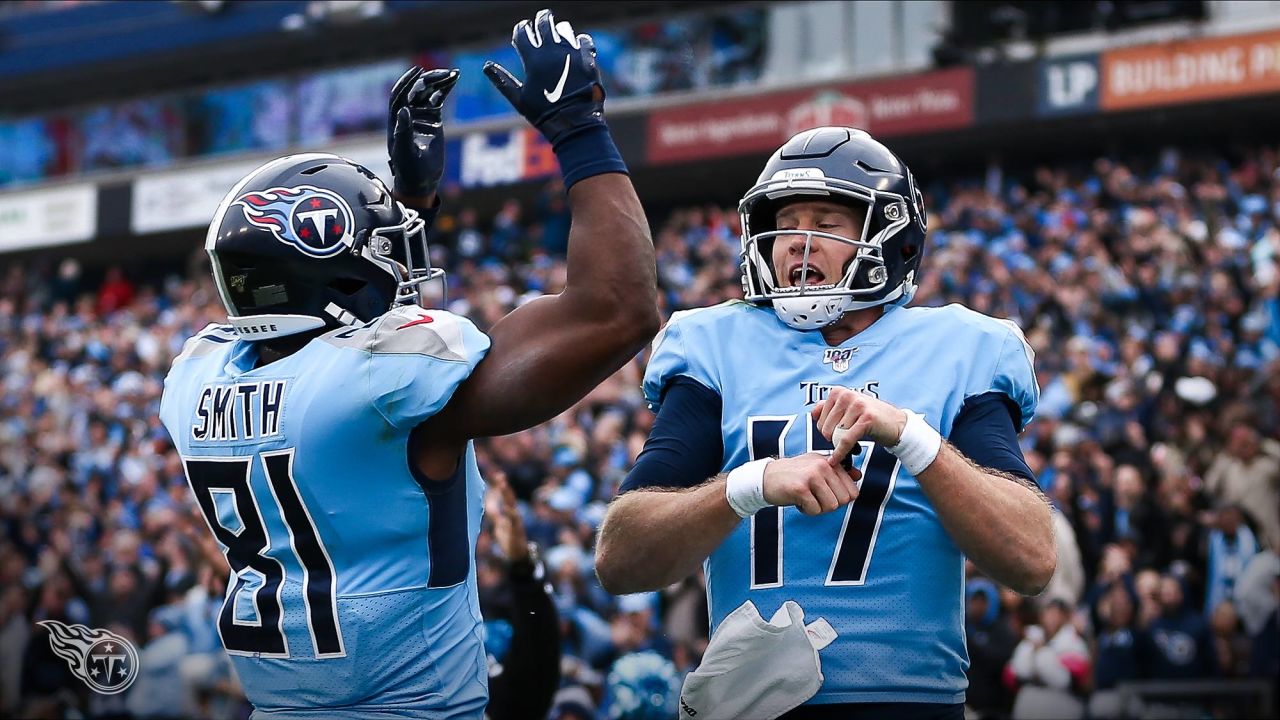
[[832, 239], [326, 429]]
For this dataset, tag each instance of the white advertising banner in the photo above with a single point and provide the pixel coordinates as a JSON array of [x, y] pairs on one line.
[[188, 198], [42, 218]]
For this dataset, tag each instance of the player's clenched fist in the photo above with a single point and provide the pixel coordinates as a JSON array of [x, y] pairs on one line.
[[847, 416], [810, 483]]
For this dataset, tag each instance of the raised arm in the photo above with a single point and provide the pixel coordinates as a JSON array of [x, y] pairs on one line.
[[550, 352], [547, 354]]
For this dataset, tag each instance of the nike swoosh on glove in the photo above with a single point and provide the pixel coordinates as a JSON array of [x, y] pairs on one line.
[[562, 92], [415, 130]]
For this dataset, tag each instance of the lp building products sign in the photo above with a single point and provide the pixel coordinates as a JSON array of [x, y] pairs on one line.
[[1191, 71], [893, 106]]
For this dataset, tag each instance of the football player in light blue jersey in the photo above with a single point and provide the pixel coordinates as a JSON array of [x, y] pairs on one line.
[[762, 404], [326, 429]]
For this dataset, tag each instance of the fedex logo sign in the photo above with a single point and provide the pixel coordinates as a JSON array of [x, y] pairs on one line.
[[506, 157]]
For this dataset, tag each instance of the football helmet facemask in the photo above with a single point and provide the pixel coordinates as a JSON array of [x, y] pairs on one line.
[[313, 241], [847, 166]]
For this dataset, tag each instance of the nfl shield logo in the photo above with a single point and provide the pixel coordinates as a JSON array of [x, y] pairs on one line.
[[838, 358]]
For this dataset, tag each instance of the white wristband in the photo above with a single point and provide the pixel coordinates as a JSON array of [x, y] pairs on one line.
[[919, 444], [744, 488]]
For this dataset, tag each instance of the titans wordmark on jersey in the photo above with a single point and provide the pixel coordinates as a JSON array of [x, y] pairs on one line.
[[350, 592], [881, 570]]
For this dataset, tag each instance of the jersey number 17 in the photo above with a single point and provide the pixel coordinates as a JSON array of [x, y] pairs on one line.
[[766, 437]]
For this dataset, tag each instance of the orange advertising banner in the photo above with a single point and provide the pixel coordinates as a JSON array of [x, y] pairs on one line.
[[1191, 70]]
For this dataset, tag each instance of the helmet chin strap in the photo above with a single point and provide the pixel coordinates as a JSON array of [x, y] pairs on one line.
[[342, 316], [811, 313]]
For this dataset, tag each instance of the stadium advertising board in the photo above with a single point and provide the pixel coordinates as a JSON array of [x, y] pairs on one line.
[[182, 198], [1191, 71], [891, 106], [1068, 85], [501, 158], [188, 198], [42, 218]]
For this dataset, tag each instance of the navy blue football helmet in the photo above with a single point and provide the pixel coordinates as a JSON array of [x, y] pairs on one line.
[[313, 241], [848, 166]]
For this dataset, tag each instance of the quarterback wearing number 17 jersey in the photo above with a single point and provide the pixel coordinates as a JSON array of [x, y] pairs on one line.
[[882, 570], [350, 575], [832, 239]]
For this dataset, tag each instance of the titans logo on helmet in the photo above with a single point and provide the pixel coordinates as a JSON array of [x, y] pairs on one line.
[[316, 221]]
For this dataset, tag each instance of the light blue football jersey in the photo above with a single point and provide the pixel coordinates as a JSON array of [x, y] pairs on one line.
[[352, 592], [881, 570]]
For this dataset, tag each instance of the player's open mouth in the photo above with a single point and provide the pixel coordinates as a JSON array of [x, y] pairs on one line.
[[812, 278]]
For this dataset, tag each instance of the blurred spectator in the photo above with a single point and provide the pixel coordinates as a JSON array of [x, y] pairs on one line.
[[1247, 473], [65, 286], [991, 644], [642, 686], [553, 216], [1255, 598], [1136, 517], [524, 664], [1230, 643], [1264, 661], [505, 240], [1231, 545], [1183, 646], [1121, 650], [1051, 667], [116, 292]]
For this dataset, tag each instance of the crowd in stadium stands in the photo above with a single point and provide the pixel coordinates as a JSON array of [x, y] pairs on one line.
[[1149, 291]]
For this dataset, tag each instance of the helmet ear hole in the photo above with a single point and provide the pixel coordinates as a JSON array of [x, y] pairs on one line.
[[347, 286]]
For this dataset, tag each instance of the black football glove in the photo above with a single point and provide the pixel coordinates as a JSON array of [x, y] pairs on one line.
[[415, 130], [561, 92]]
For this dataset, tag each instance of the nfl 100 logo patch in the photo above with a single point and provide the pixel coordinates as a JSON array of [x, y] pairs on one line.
[[838, 358]]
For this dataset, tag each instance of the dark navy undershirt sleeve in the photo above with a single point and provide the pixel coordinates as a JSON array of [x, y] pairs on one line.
[[685, 446], [986, 432]]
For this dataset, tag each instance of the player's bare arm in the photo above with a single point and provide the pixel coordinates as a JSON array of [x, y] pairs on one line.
[[634, 552], [550, 352], [1004, 526]]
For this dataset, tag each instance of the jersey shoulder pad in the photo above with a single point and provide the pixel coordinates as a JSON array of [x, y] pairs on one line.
[[211, 339], [683, 345], [965, 319], [437, 334], [1011, 365], [415, 360]]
